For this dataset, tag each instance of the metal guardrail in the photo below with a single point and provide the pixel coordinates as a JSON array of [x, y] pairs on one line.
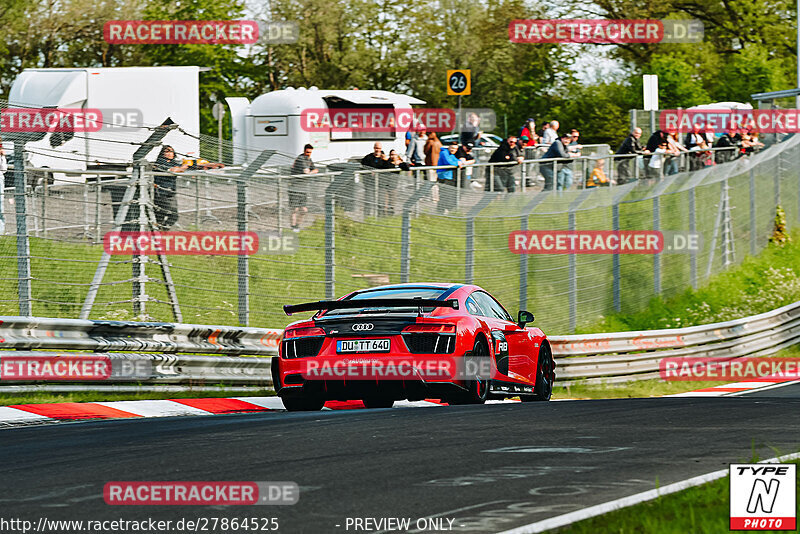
[[625, 356], [219, 353]]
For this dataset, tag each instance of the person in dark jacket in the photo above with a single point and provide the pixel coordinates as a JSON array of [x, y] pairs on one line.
[[732, 142], [632, 146], [657, 138], [165, 199], [559, 153], [507, 152], [377, 160]]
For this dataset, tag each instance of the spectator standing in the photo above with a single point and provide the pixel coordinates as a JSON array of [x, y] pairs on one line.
[[598, 176], [469, 132], [630, 147], [298, 186], [528, 134], [574, 147], [558, 152], [415, 152], [672, 165], [655, 166], [165, 199], [464, 153], [730, 145], [695, 142], [446, 177], [376, 181], [432, 148], [507, 152], [551, 134], [656, 139]]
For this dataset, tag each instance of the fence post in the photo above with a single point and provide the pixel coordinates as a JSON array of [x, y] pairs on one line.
[[523, 258], [405, 231], [242, 264], [330, 253], [138, 261], [777, 180], [657, 256], [753, 226], [615, 260], [633, 119], [242, 260], [693, 229], [469, 252], [573, 263], [23, 245]]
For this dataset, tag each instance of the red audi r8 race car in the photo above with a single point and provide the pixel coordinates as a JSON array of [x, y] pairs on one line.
[[453, 342]]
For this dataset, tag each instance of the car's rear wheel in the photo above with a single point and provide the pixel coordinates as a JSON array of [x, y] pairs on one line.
[[378, 402], [545, 376], [303, 404]]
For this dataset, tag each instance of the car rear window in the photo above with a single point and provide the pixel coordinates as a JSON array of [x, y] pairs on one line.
[[394, 293], [400, 293]]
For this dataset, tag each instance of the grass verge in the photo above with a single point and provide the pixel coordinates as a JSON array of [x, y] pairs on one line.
[[703, 509]]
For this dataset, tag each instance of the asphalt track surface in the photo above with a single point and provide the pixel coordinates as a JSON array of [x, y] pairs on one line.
[[486, 468]]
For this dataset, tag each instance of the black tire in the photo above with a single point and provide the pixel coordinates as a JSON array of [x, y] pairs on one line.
[[478, 389], [303, 404], [378, 402], [545, 376]]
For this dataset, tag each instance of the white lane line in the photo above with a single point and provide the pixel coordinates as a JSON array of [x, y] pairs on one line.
[[154, 408], [12, 415], [593, 511], [770, 386], [270, 403]]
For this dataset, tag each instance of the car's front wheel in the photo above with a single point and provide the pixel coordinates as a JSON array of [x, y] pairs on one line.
[[545, 376], [477, 389], [303, 403]]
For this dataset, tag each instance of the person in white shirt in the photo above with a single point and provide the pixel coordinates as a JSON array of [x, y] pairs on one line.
[[657, 160], [550, 134]]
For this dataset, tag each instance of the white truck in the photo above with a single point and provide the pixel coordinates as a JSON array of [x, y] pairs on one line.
[[130, 99], [276, 121]]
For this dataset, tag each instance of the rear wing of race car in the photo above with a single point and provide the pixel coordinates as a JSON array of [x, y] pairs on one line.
[[289, 309]]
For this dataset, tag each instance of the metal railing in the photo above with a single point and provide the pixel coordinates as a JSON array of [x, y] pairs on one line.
[[220, 353]]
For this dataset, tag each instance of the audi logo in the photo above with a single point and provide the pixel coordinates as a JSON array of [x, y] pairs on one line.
[[359, 327]]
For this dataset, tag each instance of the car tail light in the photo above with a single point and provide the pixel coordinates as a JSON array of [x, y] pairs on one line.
[[293, 333], [430, 329]]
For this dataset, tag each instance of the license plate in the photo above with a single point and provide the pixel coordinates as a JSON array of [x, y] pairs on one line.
[[363, 345]]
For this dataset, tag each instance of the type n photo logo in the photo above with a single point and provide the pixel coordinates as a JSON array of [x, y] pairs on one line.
[[763, 496]]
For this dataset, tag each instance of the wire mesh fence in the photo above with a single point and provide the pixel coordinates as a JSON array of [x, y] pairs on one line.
[[357, 227]]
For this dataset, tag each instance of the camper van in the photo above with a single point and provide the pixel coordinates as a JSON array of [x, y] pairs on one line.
[[277, 121], [130, 99]]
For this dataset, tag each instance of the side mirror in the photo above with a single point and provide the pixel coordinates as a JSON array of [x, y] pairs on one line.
[[523, 318]]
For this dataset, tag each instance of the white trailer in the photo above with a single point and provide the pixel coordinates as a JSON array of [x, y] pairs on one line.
[[273, 121], [130, 99]]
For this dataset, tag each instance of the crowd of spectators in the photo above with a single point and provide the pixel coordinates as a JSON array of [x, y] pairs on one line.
[[663, 154]]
